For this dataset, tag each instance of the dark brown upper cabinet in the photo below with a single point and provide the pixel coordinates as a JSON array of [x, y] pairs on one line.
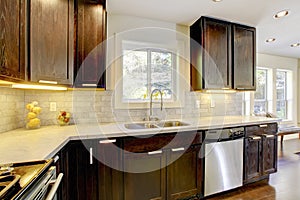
[[222, 55], [90, 34], [51, 41], [211, 51], [244, 57], [12, 39]]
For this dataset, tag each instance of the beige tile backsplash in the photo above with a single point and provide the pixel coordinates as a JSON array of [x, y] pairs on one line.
[[97, 106]]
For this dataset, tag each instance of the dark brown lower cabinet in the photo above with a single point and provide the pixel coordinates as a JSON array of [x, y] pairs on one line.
[[80, 180], [260, 152], [184, 175], [252, 158], [174, 172], [145, 176]]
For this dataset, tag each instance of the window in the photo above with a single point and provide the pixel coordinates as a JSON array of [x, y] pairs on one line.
[[274, 93], [260, 96], [281, 94], [145, 70]]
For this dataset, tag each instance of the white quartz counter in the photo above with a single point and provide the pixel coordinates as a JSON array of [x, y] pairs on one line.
[[25, 145]]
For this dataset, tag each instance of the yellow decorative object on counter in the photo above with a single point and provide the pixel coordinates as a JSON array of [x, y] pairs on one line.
[[32, 120]]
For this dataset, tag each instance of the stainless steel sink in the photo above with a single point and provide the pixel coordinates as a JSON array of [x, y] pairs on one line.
[[145, 125], [172, 124]]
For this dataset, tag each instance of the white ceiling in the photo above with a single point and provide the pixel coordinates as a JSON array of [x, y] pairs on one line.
[[257, 13]]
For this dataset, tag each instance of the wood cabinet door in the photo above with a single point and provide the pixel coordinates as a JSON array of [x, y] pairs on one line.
[[210, 54], [269, 156], [145, 176], [184, 174], [252, 158], [217, 52], [244, 57], [90, 54], [12, 39], [109, 164], [80, 171], [51, 41]]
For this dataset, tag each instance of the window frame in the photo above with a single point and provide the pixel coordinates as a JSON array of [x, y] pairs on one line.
[[182, 72]]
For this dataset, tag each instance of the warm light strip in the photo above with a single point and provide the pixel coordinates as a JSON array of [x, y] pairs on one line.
[[49, 82], [5, 82], [37, 87], [220, 91]]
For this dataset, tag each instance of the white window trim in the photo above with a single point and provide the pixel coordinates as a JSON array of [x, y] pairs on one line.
[[271, 94]]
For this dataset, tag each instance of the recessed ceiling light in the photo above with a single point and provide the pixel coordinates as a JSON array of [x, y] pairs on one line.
[[270, 40], [217, 0], [295, 45], [281, 14]]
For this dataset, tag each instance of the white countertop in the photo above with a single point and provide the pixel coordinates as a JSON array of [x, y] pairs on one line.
[[22, 145]]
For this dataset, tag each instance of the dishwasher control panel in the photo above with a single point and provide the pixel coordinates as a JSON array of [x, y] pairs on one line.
[[225, 134]]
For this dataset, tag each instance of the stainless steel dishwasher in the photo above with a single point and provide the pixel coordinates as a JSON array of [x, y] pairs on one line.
[[223, 160]]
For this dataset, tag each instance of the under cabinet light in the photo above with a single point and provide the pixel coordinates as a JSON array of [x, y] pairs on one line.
[[217, 0], [37, 87], [49, 82]]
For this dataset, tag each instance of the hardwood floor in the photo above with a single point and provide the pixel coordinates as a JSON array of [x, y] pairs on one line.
[[283, 185]]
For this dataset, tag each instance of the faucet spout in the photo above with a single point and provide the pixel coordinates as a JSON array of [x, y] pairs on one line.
[[151, 102]]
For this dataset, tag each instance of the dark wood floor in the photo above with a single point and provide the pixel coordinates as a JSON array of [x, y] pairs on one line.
[[283, 185]]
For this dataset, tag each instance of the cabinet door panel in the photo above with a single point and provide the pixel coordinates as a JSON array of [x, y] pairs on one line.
[[244, 57], [51, 40], [184, 175], [12, 39], [269, 154], [216, 63], [252, 158], [109, 176], [80, 179], [146, 179], [90, 51]]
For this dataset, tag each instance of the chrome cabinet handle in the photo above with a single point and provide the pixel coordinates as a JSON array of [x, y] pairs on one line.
[[269, 136], [177, 149], [255, 137], [54, 187], [91, 156], [88, 85], [56, 158], [107, 141], [263, 126], [155, 152]]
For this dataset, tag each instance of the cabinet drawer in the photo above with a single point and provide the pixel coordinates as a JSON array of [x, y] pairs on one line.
[[135, 144], [270, 129]]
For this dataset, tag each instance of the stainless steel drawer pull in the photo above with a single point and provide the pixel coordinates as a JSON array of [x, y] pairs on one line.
[[107, 141], [155, 152], [88, 85], [91, 156], [56, 158], [263, 126], [255, 137], [178, 149], [269, 136], [55, 186]]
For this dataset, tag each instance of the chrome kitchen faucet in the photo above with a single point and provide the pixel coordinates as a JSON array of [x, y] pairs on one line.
[[150, 118]]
